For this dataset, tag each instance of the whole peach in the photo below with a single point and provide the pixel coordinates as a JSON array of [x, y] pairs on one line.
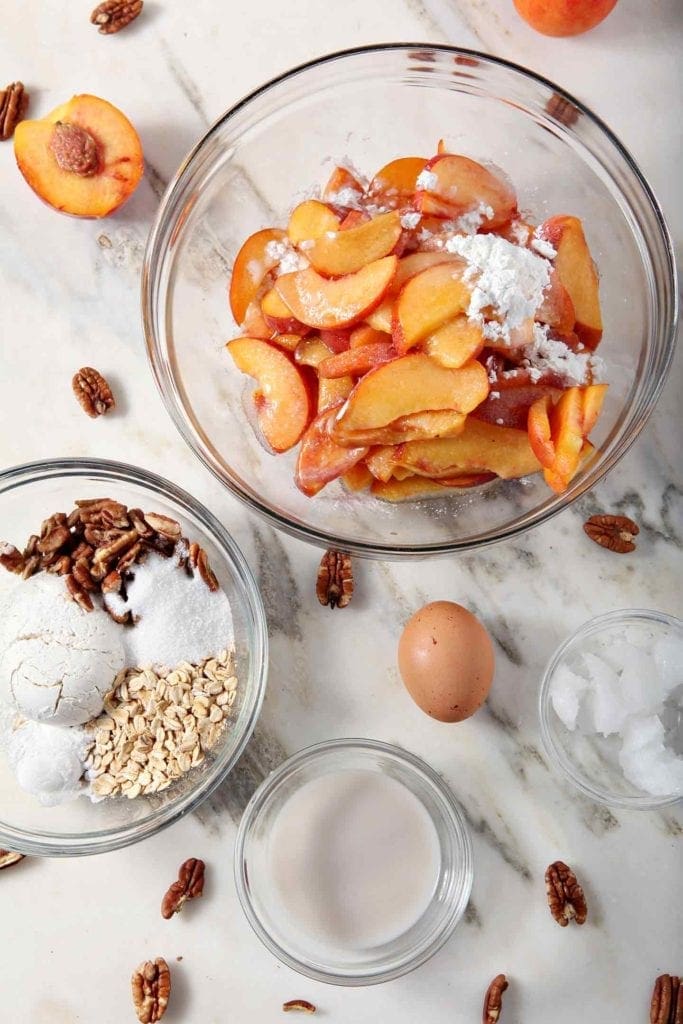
[[564, 17]]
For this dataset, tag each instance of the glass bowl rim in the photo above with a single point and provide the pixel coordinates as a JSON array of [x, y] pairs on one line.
[[555, 754], [457, 828], [154, 256], [104, 841]]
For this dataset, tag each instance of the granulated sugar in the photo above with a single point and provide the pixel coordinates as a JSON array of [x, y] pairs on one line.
[[178, 617]]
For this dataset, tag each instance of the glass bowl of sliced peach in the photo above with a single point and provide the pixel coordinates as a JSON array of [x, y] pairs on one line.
[[409, 300]]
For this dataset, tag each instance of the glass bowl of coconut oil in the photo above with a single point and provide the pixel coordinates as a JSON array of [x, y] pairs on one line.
[[353, 862]]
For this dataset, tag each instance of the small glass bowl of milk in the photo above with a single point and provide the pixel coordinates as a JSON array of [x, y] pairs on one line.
[[353, 862]]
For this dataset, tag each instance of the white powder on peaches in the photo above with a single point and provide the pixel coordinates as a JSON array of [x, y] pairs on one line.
[[426, 181], [287, 258]]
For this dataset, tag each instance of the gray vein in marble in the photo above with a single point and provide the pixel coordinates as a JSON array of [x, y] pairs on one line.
[[263, 754], [669, 825], [472, 915], [155, 179], [187, 86], [279, 588], [506, 849]]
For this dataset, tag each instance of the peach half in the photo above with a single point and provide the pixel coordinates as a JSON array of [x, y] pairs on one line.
[[84, 158]]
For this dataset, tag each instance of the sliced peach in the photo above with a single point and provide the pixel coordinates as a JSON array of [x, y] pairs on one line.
[[321, 460], [309, 220], [366, 335], [455, 343], [509, 406], [415, 262], [311, 351], [282, 400], [538, 426], [413, 488], [396, 180], [289, 342], [358, 478], [592, 399], [324, 303], [427, 301], [341, 179], [557, 308], [279, 316], [357, 361], [252, 264], [566, 427], [332, 391], [382, 317], [337, 341], [460, 186], [254, 324], [353, 219], [345, 252], [413, 383], [83, 158], [480, 448], [576, 270], [419, 426]]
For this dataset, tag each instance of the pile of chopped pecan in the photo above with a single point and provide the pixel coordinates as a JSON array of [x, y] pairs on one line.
[[96, 546]]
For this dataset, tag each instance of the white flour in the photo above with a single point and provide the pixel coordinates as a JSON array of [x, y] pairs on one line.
[[48, 761]]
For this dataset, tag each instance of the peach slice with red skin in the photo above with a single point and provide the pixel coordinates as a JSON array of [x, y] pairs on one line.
[[510, 407], [419, 426], [397, 179], [366, 335], [320, 459], [557, 308], [331, 303], [455, 343], [337, 341], [332, 391], [254, 324], [84, 158], [461, 185], [346, 252], [411, 384], [382, 318], [358, 478], [279, 316], [427, 301], [341, 179], [309, 220], [558, 432], [357, 361], [416, 488], [353, 219], [540, 435], [479, 448], [282, 400], [252, 265], [576, 270]]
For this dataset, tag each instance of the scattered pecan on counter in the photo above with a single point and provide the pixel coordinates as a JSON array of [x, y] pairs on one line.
[[493, 1000], [151, 987], [189, 885], [92, 392], [334, 586], [565, 896], [615, 533], [8, 858], [666, 1006], [113, 15], [302, 1005], [13, 104]]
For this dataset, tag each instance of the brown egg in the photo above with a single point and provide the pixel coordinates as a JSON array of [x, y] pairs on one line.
[[446, 660]]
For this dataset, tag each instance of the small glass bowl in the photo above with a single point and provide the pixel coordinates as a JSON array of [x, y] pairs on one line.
[[28, 494], [371, 105], [585, 759], [451, 891]]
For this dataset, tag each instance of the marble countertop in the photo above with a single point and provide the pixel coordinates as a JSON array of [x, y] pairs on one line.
[[74, 929]]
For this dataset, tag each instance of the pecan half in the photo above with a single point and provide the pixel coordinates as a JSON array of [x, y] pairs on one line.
[[93, 392], [151, 987], [13, 104], [198, 559], [189, 885], [164, 525], [8, 858], [563, 110], [78, 594], [54, 539], [565, 896], [493, 1000], [334, 586], [11, 558], [615, 533], [113, 15], [302, 1005], [666, 1006]]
